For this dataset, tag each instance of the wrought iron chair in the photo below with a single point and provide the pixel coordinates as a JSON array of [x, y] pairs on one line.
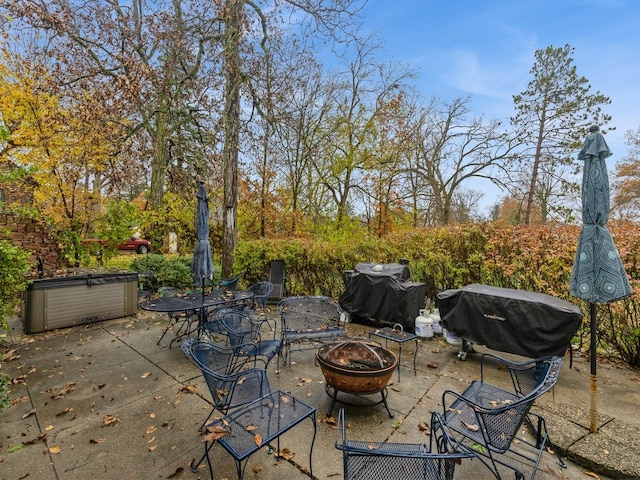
[[261, 292], [245, 336], [486, 419], [229, 387], [231, 283], [411, 461], [307, 321]]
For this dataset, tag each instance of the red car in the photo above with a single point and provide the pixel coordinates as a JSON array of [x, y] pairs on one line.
[[138, 245]]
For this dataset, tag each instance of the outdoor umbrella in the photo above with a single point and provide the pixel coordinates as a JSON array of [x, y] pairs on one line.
[[598, 274], [202, 264]]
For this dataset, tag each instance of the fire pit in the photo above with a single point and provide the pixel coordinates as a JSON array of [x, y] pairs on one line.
[[356, 367]]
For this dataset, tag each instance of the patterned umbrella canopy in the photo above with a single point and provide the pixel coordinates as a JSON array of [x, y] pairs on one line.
[[598, 274], [202, 264]]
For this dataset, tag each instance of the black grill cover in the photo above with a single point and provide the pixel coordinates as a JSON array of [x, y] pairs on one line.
[[385, 293], [514, 321]]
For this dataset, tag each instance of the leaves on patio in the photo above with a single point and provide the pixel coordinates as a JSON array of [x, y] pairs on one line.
[[18, 400], [150, 429], [257, 438], [11, 355], [97, 440], [215, 432], [432, 365], [592, 474], [55, 449], [424, 428], [64, 412], [70, 387], [16, 448], [286, 454], [188, 388], [303, 381], [251, 428], [29, 413], [256, 469], [471, 426], [109, 420]]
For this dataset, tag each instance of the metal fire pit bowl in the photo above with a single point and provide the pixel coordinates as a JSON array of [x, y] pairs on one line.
[[356, 366]]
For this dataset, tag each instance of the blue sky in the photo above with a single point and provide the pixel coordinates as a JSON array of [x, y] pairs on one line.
[[485, 49]]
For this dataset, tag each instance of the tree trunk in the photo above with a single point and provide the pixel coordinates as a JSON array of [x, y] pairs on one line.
[[536, 167], [231, 131]]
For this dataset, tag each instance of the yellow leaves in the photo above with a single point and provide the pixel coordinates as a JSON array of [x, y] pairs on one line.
[[109, 420], [214, 433]]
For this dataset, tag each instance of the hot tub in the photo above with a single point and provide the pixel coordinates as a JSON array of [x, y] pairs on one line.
[[58, 302]]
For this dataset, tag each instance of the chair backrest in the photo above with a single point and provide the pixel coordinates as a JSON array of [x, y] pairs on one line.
[[231, 283], [309, 313], [385, 460], [261, 292], [277, 278], [228, 390], [502, 420], [240, 327]]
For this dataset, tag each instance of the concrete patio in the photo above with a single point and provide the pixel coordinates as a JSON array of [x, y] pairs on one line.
[[105, 401]]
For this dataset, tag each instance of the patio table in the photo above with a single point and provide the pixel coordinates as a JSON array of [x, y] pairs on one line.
[[269, 417], [197, 305]]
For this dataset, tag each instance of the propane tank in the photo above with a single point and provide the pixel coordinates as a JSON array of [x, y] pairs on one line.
[[424, 325], [435, 317]]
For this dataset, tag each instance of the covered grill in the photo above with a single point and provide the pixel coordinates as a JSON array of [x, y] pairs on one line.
[[508, 320], [384, 292]]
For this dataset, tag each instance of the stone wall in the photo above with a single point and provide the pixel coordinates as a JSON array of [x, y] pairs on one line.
[[33, 236]]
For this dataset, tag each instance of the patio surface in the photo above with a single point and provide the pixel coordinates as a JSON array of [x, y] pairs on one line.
[[104, 401]]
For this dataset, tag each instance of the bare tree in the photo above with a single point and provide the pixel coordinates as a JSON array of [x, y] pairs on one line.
[[452, 149]]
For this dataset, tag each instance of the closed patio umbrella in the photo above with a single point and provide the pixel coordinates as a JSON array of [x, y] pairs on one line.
[[202, 264], [598, 274]]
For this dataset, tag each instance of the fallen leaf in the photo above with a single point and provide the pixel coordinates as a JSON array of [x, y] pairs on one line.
[[64, 412], [214, 433], [152, 448], [242, 380], [372, 447], [455, 410], [18, 400], [48, 427], [256, 469], [54, 449], [605, 451], [591, 474], [70, 387], [19, 379], [15, 448], [257, 438], [29, 413], [330, 421], [109, 420], [150, 429], [146, 374], [286, 454], [471, 426], [97, 440], [424, 428], [251, 428], [432, 365], [11, 355], [284, 399], [188, 388]]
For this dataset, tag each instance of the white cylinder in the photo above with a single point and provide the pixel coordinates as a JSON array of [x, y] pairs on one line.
[[424, 325], [435, 317]]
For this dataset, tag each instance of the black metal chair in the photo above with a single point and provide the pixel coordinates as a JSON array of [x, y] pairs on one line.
[[277, 277], [486, 419], [231, 283], [261, 292], [308, 321], [229, 386], [245, 336], [362, 460]]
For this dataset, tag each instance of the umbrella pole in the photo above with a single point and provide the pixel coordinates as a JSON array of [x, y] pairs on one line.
[[593, 384]]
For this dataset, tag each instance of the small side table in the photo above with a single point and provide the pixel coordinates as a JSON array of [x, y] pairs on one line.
[[398, 335], [270, 417]]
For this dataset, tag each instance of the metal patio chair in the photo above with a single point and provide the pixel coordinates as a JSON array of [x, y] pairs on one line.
[[308, 321], [231, 283], [362, 460], [261, 292], [228, 390], [277, 276], [245, 336], [487, 419]]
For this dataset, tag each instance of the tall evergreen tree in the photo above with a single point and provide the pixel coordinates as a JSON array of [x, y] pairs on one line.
[[552, 116]]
